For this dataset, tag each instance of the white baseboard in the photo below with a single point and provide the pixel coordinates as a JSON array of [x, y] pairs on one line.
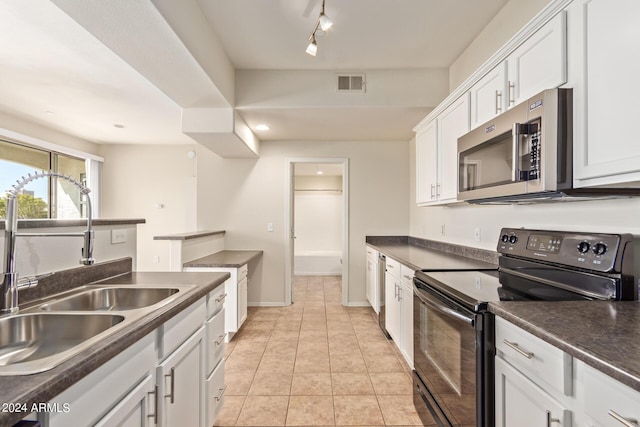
[[359, 304], [266, 304]]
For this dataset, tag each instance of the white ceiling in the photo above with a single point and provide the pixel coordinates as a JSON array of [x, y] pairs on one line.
[[57, 73]]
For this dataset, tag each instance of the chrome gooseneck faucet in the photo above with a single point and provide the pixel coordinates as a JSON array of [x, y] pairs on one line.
[[9, 282]]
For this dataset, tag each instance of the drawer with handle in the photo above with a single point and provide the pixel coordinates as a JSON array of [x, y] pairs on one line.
[[609, 402], [534, 357]]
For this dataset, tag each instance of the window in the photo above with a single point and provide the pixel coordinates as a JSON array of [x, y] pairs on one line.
[[46, 197]]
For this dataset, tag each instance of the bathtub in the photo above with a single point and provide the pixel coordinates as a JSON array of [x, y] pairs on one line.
[[317, 263]]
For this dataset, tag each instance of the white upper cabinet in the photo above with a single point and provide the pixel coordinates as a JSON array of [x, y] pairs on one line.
[[426, 163], [489, 95], [539, 63], [604, 64], [452, 124], [437, 154]]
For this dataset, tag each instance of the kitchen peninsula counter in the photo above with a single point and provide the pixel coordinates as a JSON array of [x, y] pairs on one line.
[[602, 334], [225, 259], [42, 387]]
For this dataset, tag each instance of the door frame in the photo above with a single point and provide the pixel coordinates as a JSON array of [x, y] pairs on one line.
[[289, 221]]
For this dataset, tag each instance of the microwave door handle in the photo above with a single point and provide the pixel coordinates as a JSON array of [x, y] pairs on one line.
[[515, 172], [432, 302]]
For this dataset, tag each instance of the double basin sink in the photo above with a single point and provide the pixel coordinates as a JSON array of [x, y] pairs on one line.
[[50, 332]]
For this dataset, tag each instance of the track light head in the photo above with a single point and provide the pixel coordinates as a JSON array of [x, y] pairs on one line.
[[312, 48], [325, 22]]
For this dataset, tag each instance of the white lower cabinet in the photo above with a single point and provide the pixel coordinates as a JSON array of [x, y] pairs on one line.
[[172, 377], [105, 396], [537, 384], [235, 298], [180, 384], [138, 409], [372, 286], [607, 402], [520, 402], [399, 307]]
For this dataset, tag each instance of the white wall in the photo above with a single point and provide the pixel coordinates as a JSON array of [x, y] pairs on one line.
[[137, 179], [460, 221], [511, 18], [241, 196], [318, 222]]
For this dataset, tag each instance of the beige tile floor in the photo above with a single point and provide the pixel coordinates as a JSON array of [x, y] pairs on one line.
[[315, 363]]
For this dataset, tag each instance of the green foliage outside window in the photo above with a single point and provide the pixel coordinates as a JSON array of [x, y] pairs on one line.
[[28, 207]]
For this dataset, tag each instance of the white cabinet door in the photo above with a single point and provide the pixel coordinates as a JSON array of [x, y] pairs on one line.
[[426, 163], [392, 307], [489, 95], [452, 124], [372, 279], [138, 409], [604, 66], [242, 301], [519, 402], [406, 321], [539, 63], [181, 380]]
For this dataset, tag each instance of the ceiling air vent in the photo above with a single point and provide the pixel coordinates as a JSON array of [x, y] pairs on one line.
[[351, 83]]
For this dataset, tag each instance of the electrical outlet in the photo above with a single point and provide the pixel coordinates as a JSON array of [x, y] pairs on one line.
[[156, 259], [269, 226], [118, 236], [477, 234]]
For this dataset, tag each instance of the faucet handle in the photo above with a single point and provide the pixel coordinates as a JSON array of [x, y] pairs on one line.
[[31, 281]]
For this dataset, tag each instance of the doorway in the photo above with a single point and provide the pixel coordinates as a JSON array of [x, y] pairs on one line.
[[317, 212]]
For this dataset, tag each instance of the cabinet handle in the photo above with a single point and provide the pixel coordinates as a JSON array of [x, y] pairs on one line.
[[551, 420], [222, 390], [407, 277], [512, 90], [221, 339], [515, 346], [221, 298], [395, 292], [628, 422], [438, 190], [171, 394], [433, 191], [399, 294], [155, 404], [498, 101]]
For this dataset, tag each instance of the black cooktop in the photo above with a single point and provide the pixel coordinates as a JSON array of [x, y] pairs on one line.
[[475, 289]]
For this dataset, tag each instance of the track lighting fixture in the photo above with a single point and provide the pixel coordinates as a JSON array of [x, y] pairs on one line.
[[323, 23]]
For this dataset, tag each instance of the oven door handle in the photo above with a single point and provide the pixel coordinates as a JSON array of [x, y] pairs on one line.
[[438, 305]]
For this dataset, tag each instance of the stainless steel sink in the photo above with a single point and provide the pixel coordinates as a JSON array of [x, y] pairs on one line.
[[111, 299], [31, 343]]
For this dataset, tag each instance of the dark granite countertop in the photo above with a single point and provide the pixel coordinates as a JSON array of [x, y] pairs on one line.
[[189, 235], [420, 254], [226, 258], [51, 223], [603, 334], [43, 386]]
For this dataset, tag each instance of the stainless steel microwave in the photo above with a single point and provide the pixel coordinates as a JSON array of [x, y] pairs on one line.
[[525, 151]]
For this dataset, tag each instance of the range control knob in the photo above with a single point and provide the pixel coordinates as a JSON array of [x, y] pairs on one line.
[[599, 248], [583, 247], [505, 238], [513, 238]]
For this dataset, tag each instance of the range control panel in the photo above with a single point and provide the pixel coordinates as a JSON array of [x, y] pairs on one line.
[[591, 251]]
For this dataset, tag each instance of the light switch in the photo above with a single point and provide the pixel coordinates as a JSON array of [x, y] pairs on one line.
[[270, 226]]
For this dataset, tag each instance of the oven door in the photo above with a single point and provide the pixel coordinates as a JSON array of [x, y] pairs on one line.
[[447, 358]]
